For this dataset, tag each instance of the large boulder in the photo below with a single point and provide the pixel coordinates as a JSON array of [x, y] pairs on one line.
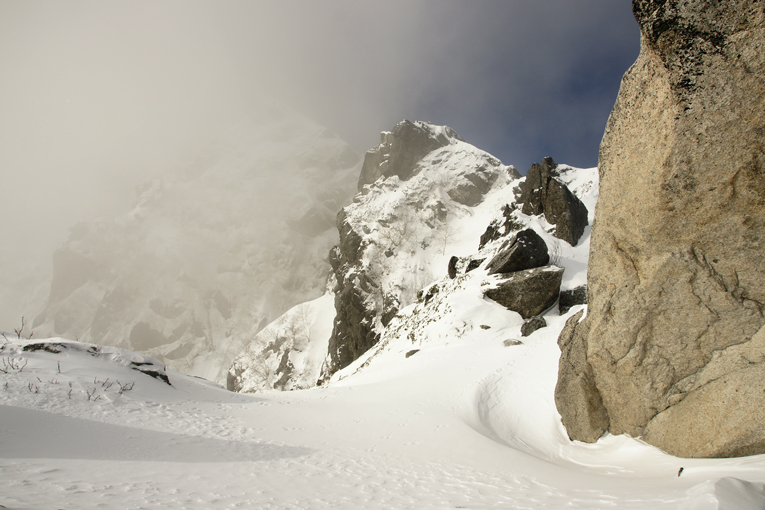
[[676, 283], [528, 292], [525, 250], [542, 193]]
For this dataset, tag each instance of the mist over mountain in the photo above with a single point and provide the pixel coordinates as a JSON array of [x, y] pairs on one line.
[[210, 254]]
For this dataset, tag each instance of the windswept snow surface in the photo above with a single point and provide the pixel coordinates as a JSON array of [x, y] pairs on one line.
[[460, 424]]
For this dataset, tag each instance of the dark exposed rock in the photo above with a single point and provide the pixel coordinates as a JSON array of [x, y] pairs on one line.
[[452, 268], [350, 241], [492, 233], [528, 292], [571, 298], [543, 194], [353, 330], [675, 327], [391, 305], [501, 228], [285, 369], [525, 250], [234, 378], [533, 324], [152, 370], [400, 151], [474, 264], [412, 353], [428, 294]]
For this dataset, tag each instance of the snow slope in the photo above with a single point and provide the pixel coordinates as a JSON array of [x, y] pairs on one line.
[[406, 433]]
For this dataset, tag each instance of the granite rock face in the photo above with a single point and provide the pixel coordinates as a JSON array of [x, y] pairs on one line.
[[576, 396], [672, 343], [542, 193]]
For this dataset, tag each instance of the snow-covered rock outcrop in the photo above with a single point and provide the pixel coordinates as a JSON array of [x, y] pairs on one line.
[[396, 236], [209, 255], [408, 236]]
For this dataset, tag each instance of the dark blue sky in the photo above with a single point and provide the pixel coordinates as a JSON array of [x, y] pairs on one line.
[[539, 79]]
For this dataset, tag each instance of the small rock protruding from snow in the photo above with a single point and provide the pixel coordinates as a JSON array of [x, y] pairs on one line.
[[533, 324], [571, 298]]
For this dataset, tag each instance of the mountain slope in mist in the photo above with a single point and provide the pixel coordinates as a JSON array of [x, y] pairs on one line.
[[208, 255]]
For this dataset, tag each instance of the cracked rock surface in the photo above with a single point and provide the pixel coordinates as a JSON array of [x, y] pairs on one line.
[[672, 347]]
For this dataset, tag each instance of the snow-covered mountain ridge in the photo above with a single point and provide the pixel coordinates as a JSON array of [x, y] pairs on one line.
[[396, 239]]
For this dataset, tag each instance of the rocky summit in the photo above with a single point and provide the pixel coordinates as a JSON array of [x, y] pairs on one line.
[[412, 186], [672, 346]]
